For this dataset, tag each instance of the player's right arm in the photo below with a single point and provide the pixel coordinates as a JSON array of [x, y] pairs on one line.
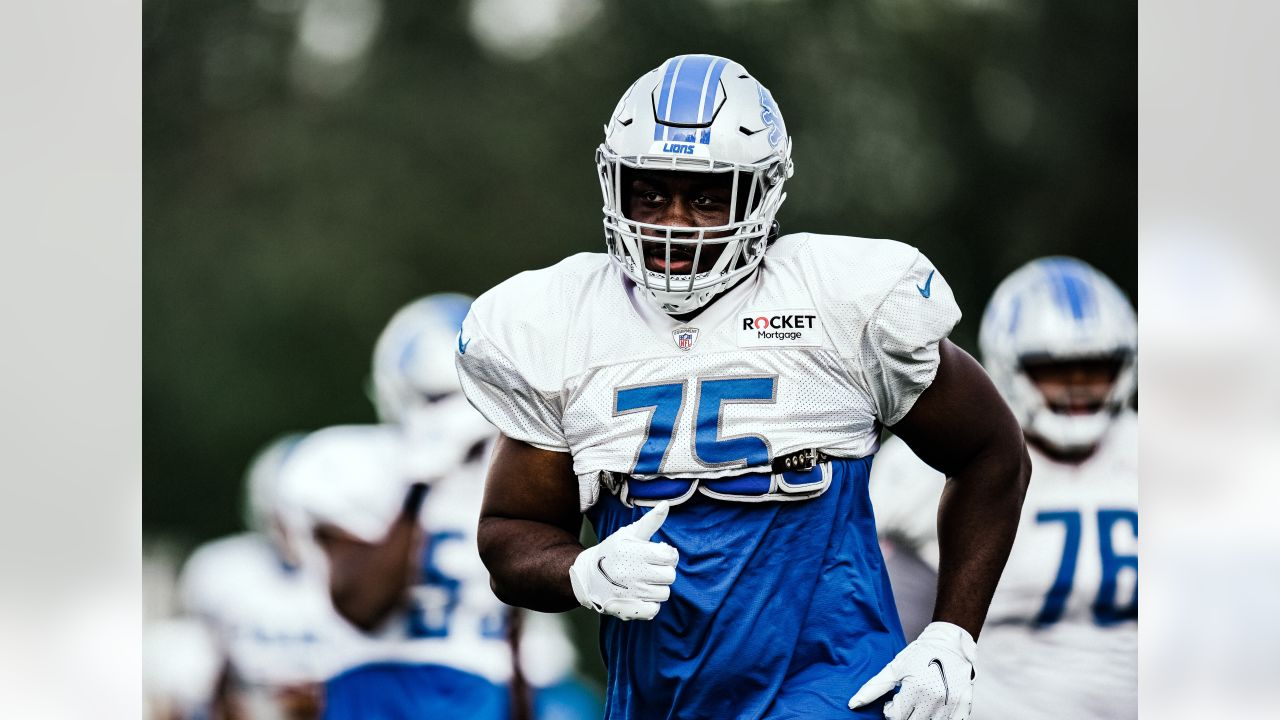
[[529, 525], [528, 537], [531, 514]]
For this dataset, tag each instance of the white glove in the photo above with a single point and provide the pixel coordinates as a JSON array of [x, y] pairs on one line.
[[936, 675], [626, 575]]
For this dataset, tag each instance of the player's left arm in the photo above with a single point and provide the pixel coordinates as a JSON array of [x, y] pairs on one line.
[[962, 427]]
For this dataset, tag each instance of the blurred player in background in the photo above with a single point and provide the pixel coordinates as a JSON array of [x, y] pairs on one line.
[[710, 395], [1060, 641], [394, 510], [358, 510], [274, 626], [415, 386]]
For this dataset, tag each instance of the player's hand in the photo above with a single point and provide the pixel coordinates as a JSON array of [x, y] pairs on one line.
[[935, 673], [626, 575]]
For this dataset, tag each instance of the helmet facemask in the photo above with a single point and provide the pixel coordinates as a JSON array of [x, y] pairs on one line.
[[1069, 416], [754, 197]]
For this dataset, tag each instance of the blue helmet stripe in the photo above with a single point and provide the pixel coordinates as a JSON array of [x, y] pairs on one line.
[[1076, 292], [1015, 315], [406, 354], [682, 98], [1072, 291], [664, 94], [454, 307], [449, 308], [709, 86], [688, 90], [687, 96]]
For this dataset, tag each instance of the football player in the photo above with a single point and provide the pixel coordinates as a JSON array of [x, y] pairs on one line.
[[415, 386], [358, 510], [275, 629], [1060, 341], [393, 510], [710, 396]]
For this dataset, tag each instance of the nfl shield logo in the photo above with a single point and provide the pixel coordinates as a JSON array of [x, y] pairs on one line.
[[685, 337]]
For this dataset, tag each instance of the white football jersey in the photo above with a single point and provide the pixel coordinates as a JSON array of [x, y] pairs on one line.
[[1061, 635], [830, 339], [274, 623], [453, 618]]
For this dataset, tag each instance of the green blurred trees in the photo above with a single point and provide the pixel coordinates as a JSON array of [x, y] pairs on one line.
[[282, 229]]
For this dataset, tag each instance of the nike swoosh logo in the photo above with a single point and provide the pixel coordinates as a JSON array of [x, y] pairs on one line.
[[946, 691], [462, 346], [600, 567], [924, 291]]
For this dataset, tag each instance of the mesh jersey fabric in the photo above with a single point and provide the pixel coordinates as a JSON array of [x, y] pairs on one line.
[[545, 354]]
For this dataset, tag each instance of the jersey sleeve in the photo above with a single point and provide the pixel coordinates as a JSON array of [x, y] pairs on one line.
[[898, 352], [499, 387]]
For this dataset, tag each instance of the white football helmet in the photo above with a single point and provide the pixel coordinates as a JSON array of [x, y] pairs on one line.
[[696, 113], [413, 358], [261, 489], [1059, 309]]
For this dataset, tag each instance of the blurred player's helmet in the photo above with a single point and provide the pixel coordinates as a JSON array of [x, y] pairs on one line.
[[696, 113], [1059, 310], [262, 485], [413, 358]]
